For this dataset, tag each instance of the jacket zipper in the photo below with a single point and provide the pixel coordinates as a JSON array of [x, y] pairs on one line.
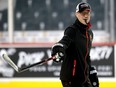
[[86, 56], [74, 67]]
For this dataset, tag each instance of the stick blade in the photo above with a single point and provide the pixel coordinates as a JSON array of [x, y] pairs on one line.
[[10, 62]]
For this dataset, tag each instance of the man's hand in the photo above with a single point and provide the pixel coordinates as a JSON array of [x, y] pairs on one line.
[[59, 57], [58, 51], [93, 77]]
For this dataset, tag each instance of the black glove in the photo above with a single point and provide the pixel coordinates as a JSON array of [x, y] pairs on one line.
[[58, 51], [93, 77]]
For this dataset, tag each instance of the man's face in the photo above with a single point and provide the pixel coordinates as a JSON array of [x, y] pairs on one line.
[[84, 16]]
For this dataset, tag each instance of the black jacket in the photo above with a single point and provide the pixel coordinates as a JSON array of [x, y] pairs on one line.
[[77, 41]]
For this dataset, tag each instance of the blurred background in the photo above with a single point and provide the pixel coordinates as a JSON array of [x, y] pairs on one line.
[[28, 29]]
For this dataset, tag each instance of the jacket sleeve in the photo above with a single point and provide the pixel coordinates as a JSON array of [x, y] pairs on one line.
[[69, 35]]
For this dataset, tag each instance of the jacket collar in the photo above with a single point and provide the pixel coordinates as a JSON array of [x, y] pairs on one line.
[[82, 26]]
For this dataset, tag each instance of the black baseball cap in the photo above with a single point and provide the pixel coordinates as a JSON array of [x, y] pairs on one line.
[[83, 6]]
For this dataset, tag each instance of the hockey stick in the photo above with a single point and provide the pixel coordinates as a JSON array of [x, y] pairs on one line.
[[14, 66]]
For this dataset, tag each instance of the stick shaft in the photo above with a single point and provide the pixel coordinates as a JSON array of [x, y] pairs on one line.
[[35, 64]]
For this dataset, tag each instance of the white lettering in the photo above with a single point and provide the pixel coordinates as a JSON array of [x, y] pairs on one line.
[[99, 53], [29, 58], [6, 71]]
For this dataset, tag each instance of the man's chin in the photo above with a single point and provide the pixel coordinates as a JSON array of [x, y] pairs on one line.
[[85, 23]]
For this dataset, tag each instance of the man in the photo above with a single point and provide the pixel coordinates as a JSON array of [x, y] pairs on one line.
[[74, 49]]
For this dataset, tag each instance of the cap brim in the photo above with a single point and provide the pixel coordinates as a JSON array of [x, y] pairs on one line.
[[87, 10]]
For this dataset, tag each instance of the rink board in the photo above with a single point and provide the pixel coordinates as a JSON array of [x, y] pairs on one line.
[[46, 84], [29, 82]]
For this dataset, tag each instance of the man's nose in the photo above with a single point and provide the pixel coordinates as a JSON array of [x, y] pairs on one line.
[[86, 16]]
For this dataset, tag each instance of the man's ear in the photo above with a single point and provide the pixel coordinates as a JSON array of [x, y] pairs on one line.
[[76, 14]]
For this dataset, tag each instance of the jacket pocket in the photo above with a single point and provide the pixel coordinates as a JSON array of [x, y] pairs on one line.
[[74, 67]]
